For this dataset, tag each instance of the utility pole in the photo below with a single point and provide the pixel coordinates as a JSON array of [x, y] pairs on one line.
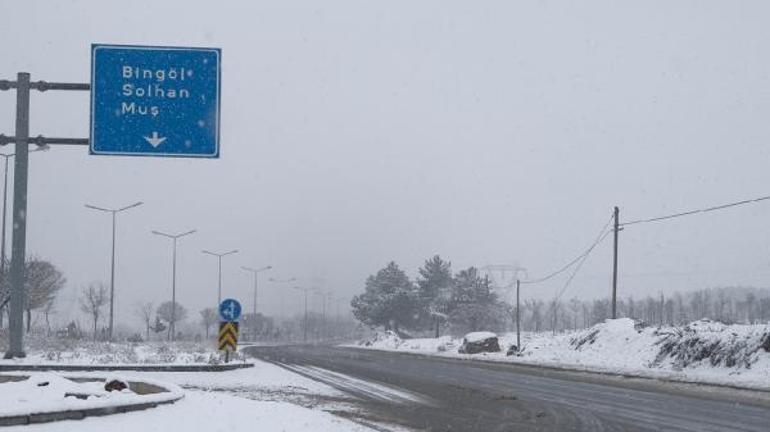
[[615, 263], [174, 238], [114, 212], [219, 259], [255, 272], [507, 276]]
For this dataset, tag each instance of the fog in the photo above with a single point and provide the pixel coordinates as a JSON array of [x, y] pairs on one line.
[[355, 133]]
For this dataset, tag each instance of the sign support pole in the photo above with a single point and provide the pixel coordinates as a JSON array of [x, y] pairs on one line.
[[16, 315], [21, 138]]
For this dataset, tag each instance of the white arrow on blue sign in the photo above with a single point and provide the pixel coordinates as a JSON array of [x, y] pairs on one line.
[[155, 101], [229, 310]]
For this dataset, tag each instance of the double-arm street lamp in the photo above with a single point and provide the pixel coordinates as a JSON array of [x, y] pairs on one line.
[[304, 324], [219, 259], [114, 213], [174, 238], [255, 272], [282, 281]]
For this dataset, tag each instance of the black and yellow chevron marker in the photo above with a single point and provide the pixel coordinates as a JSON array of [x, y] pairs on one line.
[[228, 336]]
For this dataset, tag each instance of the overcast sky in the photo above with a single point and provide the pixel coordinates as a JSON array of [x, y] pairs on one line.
[[354, 133]]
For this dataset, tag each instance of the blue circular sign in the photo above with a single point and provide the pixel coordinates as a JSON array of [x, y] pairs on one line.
[[229, 310]]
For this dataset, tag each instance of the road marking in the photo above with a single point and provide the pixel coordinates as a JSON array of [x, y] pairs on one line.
[[373, 390]]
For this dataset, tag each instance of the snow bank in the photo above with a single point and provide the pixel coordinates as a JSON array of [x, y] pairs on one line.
[[703, 351], [106, 353]]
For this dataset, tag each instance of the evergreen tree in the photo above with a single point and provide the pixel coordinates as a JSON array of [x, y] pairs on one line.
[[389, 300], [473, 305], [434, 287]]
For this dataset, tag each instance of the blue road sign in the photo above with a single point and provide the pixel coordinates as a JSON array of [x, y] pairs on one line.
[[229, 310], [155, 101]]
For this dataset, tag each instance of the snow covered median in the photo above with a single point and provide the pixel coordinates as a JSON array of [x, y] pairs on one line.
[[703, 351], [40, 393]]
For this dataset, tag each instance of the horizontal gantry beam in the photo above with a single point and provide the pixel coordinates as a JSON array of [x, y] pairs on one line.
[[44, 141], [44, 85]]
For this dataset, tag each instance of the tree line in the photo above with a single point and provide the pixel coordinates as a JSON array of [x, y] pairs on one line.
[[467, 301], [462, 302]]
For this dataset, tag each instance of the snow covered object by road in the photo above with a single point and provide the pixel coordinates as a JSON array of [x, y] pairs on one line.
[[478, 342], [702, 351]]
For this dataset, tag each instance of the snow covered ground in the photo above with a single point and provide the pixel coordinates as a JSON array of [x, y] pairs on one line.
[[211, 412], [266, 396], [702, 352]]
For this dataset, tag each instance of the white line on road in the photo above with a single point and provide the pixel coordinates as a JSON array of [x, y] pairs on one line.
[[358, 386]]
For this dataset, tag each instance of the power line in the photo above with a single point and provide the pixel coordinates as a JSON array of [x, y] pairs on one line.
[[692, 212], [580, 264], [602, 234]]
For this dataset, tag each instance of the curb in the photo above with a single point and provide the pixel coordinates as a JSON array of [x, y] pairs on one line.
[[114, 368], [79, 414]]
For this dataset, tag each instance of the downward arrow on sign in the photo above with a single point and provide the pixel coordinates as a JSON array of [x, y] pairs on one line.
[[155, 140]]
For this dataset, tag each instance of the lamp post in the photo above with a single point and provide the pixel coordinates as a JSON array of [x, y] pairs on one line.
[[282, 281], [324, 295], [304, 324], [255, 272], [174, 238], [114, 213], [219, 259]]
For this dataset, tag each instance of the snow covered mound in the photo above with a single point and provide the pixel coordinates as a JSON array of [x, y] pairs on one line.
[[608, 334], [702, 351], [385, 340], [734, 346], [106, 353]]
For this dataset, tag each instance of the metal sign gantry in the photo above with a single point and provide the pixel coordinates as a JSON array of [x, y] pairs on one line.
[[198, 139]]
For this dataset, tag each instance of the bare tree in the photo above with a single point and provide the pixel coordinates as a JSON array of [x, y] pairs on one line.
[[164, 313], [208, 318], [47, 311], [42, 281], [92, 301], [144, 312]]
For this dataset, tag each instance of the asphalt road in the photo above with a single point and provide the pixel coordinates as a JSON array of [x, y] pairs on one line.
[[437, 394]]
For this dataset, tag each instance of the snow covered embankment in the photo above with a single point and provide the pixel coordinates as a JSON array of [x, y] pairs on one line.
[[703, 351]]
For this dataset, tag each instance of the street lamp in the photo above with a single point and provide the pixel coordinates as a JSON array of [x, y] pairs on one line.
[[304, 324], [324, 296], [219, 257], [255, 272], [282, 281], [114, 213], [174, 238]]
